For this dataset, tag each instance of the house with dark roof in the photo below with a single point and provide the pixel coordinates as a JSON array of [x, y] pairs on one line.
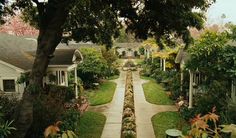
[[17, 56]]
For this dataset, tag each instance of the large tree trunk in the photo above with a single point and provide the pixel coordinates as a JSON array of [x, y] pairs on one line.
[[50, 35]]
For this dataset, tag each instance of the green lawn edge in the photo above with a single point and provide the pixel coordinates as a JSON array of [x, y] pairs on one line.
[[168, 120], [91, 125], [155, 94], [103, 94], [113, 77]]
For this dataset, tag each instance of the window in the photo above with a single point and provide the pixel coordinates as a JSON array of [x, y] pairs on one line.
[[9, 85]]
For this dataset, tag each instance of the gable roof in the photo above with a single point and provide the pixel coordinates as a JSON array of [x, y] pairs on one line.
[[12, 51], [20, 52], [62, 56]]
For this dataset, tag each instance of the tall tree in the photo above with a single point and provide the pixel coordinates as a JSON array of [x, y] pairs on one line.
[[98, 21]]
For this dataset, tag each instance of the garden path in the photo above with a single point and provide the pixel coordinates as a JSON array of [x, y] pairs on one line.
[[113, 110], [144, 110]]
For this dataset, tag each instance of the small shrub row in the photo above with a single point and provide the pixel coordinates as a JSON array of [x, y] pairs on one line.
[[128, 122]]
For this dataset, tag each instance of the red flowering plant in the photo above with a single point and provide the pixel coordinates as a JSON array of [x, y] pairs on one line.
[[200, 127]]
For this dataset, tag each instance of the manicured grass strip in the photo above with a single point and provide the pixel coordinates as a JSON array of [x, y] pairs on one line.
[[168, 120], [113, 77], [155, 94], [138, 61], [91, 125], [103, 94], [147, 78]]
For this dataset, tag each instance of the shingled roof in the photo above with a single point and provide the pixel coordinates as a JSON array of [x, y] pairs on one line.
[[12, 51], [61, 56], [20, 52]]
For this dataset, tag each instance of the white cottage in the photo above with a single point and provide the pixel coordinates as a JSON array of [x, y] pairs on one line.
[[17, 56]]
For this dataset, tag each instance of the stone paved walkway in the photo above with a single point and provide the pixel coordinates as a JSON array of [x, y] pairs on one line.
[[143, 110], [113, 111]]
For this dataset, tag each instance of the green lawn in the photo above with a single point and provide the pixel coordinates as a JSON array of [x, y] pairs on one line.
[[168, 120], [103, 94], [155, 94], [91, 125], [147, 78], [113, 77], [138, 60]]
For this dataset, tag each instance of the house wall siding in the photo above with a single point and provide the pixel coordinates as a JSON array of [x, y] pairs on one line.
[[6, 73]]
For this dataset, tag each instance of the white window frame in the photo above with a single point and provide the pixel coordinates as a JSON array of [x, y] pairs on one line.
[[9, 78]]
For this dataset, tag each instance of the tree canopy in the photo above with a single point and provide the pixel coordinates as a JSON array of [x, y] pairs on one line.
[[98, 21], [213, 55]]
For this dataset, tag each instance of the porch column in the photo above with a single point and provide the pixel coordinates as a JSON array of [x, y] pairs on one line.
[[66, 78], [161, 63], [58, 77], [164, 64], [190, 90], [233, 94], [181, 80], [148, 54], [76, 85]]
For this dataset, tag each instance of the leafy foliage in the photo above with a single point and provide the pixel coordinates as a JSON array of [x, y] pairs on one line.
[[50, 105], [208, 54], [110, 58], [53, 131], [213, 57], [24, 78], [92, 67], [7, 109], [2, 4], [125, 37], [229, 129], [142, 17], [6, 128], [71, 120], [201, 128]]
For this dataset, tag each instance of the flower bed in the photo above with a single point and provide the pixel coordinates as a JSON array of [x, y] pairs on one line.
[[128, 122], [129, 65]]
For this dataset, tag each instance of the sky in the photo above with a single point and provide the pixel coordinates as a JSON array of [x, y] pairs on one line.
[[227, 7]]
